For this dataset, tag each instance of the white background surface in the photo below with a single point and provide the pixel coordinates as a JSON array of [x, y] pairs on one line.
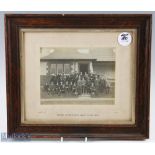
[[77, 5], [76, 148]]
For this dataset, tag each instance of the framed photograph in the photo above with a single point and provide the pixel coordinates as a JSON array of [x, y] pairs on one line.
[[78, 76]]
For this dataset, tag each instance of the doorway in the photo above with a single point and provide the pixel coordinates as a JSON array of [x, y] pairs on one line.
[[83, 68]]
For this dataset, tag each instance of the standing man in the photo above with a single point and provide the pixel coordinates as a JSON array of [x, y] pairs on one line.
[[83, 85]]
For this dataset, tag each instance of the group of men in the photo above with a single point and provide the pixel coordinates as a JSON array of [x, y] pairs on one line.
[[76, 84]]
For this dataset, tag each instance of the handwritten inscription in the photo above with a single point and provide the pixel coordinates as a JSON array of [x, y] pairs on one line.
[[77, 115]]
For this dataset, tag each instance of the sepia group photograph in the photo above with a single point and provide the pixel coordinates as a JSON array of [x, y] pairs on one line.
[[77, 73]]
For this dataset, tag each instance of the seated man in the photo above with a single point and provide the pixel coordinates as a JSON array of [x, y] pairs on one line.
[[79, 86], [93, 89], [52, 87], [74, 89], [62, 88], [57, 89], [67, 87], [70, 86], [88, 84], [46, 88]]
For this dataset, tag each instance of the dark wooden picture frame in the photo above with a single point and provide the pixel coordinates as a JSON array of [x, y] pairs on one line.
[[138, 131]]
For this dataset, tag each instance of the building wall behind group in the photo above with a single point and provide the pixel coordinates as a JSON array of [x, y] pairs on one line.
[[105, 68]]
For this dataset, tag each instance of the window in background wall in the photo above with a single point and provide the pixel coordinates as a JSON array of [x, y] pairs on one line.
[[59, 68], [67, 68], [53, 69]]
